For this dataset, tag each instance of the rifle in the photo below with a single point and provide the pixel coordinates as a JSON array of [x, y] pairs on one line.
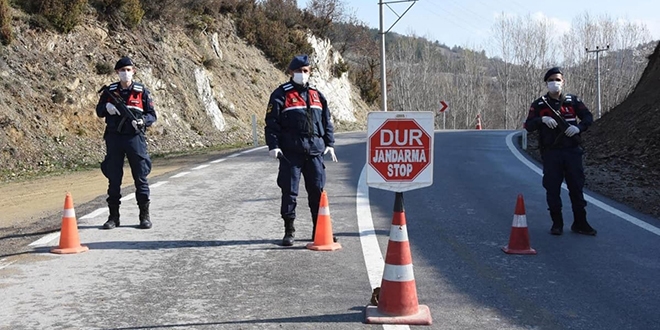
[[562, 124], [120, 104]]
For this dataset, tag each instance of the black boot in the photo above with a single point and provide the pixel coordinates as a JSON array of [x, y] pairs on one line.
[[145, 222], [113, 218], [557, 223], [580, 224], [289, 232]]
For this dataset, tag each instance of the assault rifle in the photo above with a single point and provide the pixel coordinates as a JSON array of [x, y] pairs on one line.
[[120, 104], [562, 124]]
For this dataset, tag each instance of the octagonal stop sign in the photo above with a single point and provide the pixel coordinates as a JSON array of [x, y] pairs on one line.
[[400, 150]]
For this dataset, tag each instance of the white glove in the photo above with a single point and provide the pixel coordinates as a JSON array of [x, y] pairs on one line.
[[111, 109], [275, 152], [331, 150], [137, 124], [549, 121], [572, 130]]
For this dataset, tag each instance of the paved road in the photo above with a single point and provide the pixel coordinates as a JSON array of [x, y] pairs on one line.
[[212, 260]]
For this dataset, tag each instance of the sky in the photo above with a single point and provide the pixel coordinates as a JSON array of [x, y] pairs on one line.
[[467, 23]]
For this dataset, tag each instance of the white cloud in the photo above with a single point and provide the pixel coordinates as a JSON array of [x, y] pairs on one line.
[[562, 26]]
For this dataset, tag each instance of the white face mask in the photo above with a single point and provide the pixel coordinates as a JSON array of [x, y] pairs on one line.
[[554, 86], [126, 76], [300, 78]]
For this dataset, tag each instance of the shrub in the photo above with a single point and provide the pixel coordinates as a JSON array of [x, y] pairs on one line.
[[40, 22], [339, 68], [5, 23], [64, 15], [132, 12], [104, 68], [126, 12], [58, 96], [273, 36]]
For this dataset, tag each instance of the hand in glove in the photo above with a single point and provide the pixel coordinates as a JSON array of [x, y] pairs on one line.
[[111, 109], [138, 124], [331, 150], [549, 121], [275, 152], [572, 130]]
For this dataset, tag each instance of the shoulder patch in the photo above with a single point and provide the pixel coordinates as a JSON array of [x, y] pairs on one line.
[[138, 87], [113, 86], [287, 86]]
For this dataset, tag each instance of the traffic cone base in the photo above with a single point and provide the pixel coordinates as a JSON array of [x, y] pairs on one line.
[[329, 247], [69, 239], [72, 250], [519, 239], [422, 317], [323, 237]]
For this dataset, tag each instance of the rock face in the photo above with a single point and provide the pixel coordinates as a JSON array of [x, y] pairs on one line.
[[206, 87]]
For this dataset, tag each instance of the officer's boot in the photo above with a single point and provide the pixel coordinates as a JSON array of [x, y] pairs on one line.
[[145, 222], [289, 232], [557, 223], [580, 224], [113, 218]]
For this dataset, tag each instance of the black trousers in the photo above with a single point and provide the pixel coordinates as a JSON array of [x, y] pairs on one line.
[[559, 165], [288, 179], [134, 148]]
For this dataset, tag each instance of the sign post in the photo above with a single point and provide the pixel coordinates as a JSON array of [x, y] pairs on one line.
[[400, 150], [443, 109]]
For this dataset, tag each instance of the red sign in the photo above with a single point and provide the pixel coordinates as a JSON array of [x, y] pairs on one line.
[[399, 150], [443, 106]]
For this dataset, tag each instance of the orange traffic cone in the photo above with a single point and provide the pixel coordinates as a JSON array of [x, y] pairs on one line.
[[478, 122], [69, 240], [519, 239], [323, 237], [397, 300]]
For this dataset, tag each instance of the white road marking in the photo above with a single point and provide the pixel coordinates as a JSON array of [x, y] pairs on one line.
[[46, 239], [4, 263], [94, 213], [179, 175], [200, 167], [373, 257], [253, 149], [218, 160], [158, 184], [127, 197], [625, 216]]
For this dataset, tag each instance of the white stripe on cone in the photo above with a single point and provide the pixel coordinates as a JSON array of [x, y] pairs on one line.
[[394, 273], [398, 233], [324, 210], [519, 221], [69, 213]]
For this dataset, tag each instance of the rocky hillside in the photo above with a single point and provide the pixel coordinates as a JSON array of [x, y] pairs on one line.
[[206, 87], [625, 142]]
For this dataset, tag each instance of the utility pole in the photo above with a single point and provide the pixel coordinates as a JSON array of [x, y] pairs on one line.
[[383, 71], [597, 51]]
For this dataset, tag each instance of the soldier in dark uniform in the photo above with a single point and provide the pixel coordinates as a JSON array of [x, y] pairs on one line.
[[298, 133], [560, 118], [124, 137]]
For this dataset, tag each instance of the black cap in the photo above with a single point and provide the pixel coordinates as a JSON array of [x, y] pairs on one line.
[[298, 62], [124, 61], [550, 72]]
